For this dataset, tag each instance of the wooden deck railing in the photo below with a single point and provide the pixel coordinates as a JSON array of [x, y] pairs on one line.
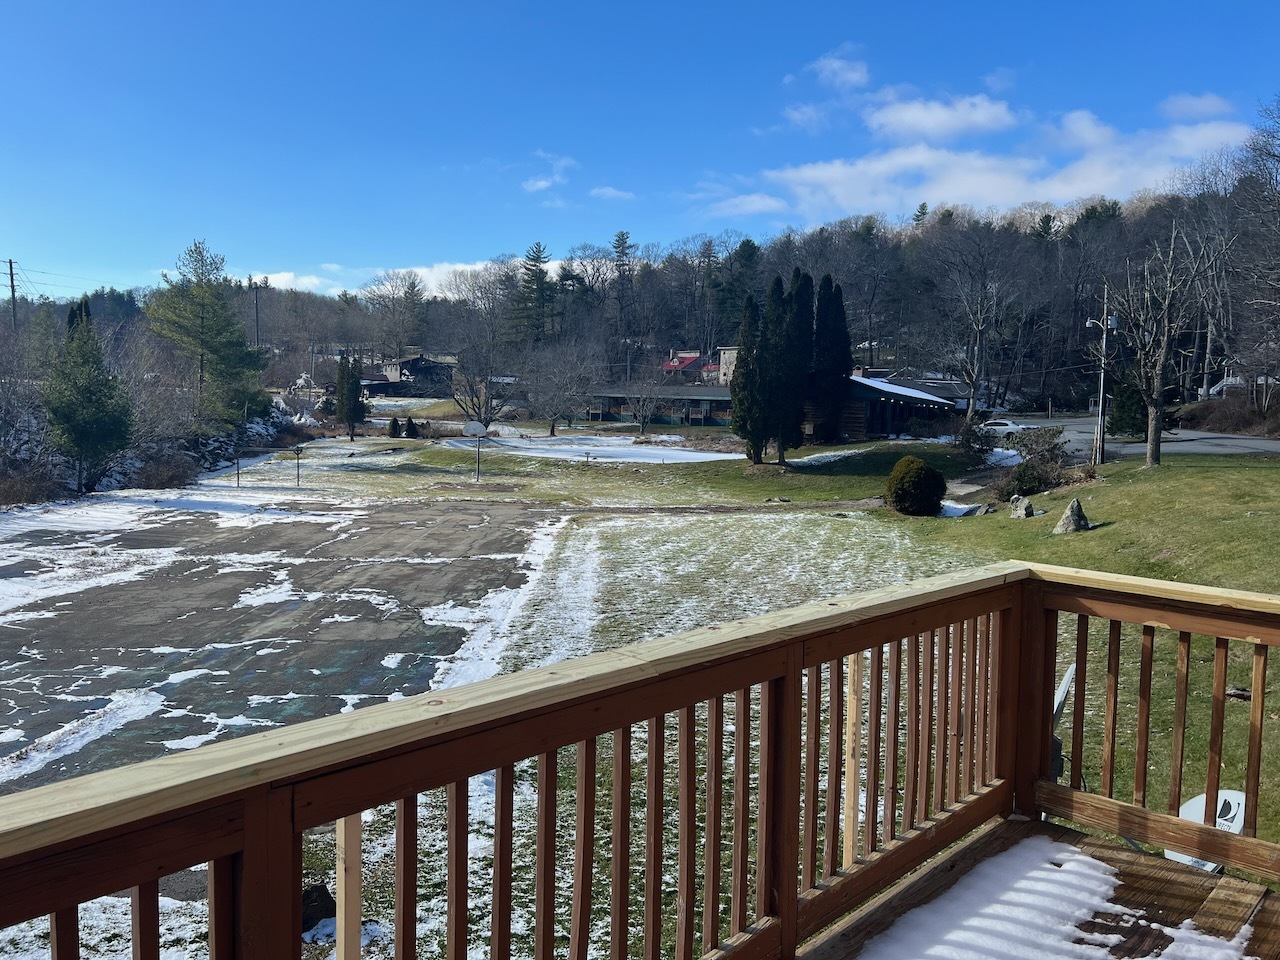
[[725, 792]]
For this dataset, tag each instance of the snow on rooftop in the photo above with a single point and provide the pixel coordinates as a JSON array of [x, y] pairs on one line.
[[901, 391]]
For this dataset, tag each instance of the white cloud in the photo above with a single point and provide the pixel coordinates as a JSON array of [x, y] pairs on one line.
[[292, 281], [612, 193], [747, 205], [936, 120], [559, 165], [1187, 106], [807, 116], [1099, 160], [331, 267], [836, 70]]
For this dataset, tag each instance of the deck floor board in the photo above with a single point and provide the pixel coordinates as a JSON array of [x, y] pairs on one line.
[[1151, 891]]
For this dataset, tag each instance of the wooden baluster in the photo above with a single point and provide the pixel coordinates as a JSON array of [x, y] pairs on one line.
[[584, 849], [738, 908], [1144, 716], [983, 712], [620, 848], [971, 706], [955, 716], [835, 770], [654, 820], [911, 775], [1257, 713], [889, 822], [64, 934], [713, 835], [1077, 701], [875, 705], [1179, 723], [928, 775], [406, 880], [1109, 719], [993, 680], [503, 829], [348, 836], [145, 920], [544, 881], [809, 829], [1214, 772], [457, 906], [942, 714], [687, 835], [1048, 686], [853, 768], [222, 909]]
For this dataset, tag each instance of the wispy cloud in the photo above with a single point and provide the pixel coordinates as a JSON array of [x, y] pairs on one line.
[[1187, 106], [807, 116], [938, 120], [1000, 80], [293, 281], [839, 71], [554, 177], [612, 193], [748, 204]]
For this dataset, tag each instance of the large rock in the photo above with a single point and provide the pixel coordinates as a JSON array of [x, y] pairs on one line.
[[1020, 508], [1073, 520], [317, 904]]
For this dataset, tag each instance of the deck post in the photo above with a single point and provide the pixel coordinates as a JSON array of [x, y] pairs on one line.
[[1033, 693], [780, 752], [269, 898]]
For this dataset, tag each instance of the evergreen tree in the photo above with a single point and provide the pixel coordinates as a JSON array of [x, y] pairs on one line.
[[78, 313], [772, 324], [747, 387], [410, 428], [793, 356], [89, 416], [193, 311], [535, 306], [832, 359], [350, 405], [393, 428]]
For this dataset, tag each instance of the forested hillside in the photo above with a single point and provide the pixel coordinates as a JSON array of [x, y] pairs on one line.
[[997, 300]]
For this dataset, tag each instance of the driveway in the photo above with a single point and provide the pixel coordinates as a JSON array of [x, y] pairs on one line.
[[1078, 433]]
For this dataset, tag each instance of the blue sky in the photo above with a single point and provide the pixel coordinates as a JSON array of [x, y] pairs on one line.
[[322, 143]]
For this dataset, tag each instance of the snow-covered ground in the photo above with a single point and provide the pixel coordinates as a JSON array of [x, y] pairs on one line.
[[587, 449], [590, 583]]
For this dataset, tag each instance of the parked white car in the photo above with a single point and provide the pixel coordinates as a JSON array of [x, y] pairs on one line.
[[1005, 429]]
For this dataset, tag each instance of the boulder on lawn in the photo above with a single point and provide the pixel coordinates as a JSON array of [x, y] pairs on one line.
[[1020, 508], [317, 904], [1073, 520]]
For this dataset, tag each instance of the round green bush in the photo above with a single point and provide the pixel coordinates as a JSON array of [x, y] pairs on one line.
[[915, 488]]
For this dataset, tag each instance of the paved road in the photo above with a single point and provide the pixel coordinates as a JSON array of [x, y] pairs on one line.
[[236, 627], [1078, 432]]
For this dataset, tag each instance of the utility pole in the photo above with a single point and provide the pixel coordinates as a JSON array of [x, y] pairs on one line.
[[257, 325], [13, 299]]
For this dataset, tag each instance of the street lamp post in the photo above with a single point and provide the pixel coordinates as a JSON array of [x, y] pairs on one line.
[[1100, 435]]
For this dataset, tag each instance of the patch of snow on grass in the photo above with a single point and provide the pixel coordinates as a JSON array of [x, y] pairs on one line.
[[489, 620], [184, 932], [588, 449]]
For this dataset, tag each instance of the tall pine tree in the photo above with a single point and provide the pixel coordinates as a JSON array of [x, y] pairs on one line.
[[832, 360], [89, 416], [193, 311], [349, 405], [747, 388], [793, 357]]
